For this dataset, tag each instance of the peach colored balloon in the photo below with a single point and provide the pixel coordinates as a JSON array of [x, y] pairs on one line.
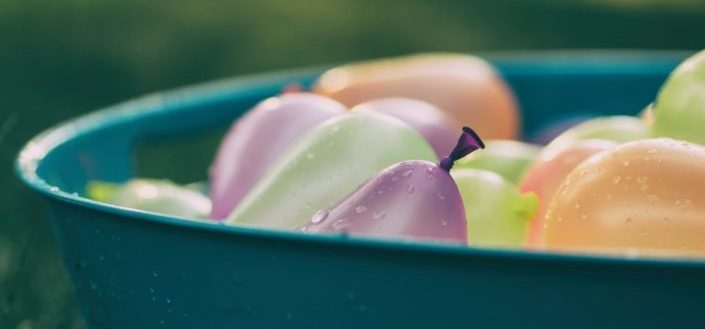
[[548, 171], [646, 196], [467, 87]]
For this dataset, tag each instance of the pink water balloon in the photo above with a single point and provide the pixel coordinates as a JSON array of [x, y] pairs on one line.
[[256, 140], [409, 200], [439, 128]]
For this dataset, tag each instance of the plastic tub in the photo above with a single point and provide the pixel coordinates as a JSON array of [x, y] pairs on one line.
[[138, 270]]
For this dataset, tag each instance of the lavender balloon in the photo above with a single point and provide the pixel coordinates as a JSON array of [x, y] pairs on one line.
[[258, 139], [439, 128], [411, 199]]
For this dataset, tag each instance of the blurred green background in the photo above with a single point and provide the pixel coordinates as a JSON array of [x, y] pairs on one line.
[[59, 59]]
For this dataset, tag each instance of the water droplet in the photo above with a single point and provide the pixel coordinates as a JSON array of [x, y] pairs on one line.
[[360, 209], [444, 222], [340, 224], [54, 189], [379, 215], [151, 290], [101, 258], [560, 219], [643, 183], [430, 174], [155, 274], [351, 295], [577, 206], [408, 173], [625, 163], [93, 285], [616, 179], [441, 196], [410, 188], [583, 216], [310, 156], [683, 204], [289, 316], [168, 301], [162, 322], [335, 129], [380, 192], [319, 216]]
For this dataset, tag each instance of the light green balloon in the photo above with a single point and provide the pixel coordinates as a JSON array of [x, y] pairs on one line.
[[618, 128], [159, 196], [497, 214], [325, 165], [679, 111], [507, 158]]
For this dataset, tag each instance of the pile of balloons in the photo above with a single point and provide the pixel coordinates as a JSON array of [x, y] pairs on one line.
[[382, 148]]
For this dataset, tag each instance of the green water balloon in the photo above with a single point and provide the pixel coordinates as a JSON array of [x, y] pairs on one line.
[[326, 164], [497, 214], [158, 196], [507, 158], [679, 110], [618, 128]]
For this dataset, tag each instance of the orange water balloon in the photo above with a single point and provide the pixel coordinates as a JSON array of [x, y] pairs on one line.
[[548, 171], [645, 196], [467, 87]]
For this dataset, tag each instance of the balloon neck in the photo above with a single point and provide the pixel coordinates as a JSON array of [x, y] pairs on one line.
[[526, 206], [446, 164], [468, 142]]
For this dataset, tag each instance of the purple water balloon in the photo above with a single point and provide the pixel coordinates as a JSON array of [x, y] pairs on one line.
[[439, 128], [409, 200], [256, 140]]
